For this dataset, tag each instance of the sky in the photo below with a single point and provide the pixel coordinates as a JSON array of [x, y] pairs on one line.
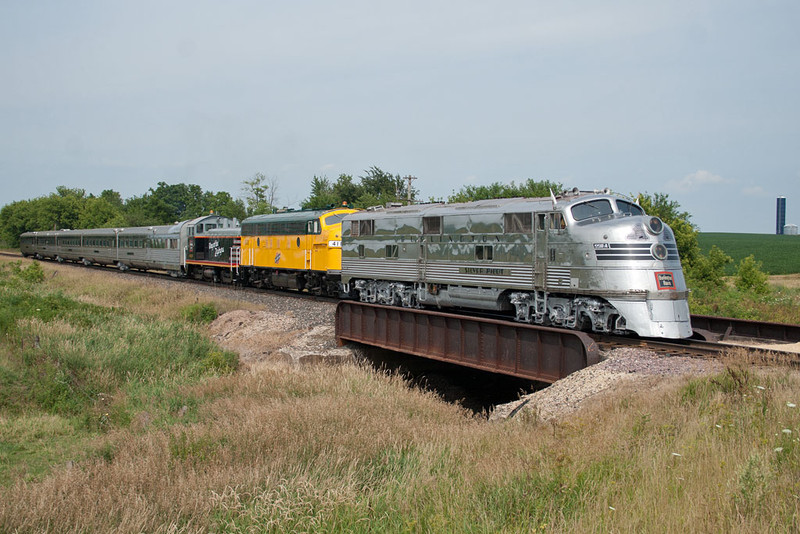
[[699, 100]]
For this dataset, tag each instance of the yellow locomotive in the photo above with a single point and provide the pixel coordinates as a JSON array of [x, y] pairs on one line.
[[294, 250]]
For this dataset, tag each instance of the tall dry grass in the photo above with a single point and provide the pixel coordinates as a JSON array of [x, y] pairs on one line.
[[344, 448], [138, 295]]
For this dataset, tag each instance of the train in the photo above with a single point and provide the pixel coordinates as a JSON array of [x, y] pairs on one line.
[[143, 248], [585, 260], [591, 261], [298, 250]]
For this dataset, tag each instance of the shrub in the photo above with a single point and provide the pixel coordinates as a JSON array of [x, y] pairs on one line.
[[223, 362], [709, 269], [13, 272], [200, 313], [750, 277]]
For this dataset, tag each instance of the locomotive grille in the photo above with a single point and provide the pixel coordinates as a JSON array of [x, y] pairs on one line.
[[633, 251], [558, 277]]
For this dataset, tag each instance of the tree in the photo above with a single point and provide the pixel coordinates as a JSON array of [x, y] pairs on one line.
[[670, 212], [66, 208], [379, 187], [322, 194], [345, 190], [258, 198], [223, 204], [375, 188], [99, 213], [113, 198], [15, 219], [168, 203], [529, 188]]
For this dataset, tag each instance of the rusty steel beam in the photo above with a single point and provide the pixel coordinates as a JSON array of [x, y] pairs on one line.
[[726, 327], [522, 350]]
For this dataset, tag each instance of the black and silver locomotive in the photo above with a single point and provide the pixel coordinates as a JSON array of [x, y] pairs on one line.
[[591, 261]]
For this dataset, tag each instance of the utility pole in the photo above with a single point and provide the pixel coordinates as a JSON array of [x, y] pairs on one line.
[[410, 179]]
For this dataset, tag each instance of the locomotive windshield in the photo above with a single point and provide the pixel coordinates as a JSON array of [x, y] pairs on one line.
[[629, 208], [335, 218], [592, 208]]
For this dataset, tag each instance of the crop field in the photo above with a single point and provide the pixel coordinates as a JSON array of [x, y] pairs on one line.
[[779, 254]]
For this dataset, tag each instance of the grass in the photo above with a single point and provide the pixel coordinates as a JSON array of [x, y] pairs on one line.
[[780, 304], [172, 445], [779, 254], [71, 371]]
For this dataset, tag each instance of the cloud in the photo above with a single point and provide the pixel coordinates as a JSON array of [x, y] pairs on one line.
[[328, 167], [696, 180], [755, 191]]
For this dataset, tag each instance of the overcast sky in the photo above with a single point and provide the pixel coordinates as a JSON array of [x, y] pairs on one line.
[[699, 100]]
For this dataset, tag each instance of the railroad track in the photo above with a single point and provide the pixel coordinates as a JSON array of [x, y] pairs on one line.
[[714, 336], [158, 275], [700, 348]]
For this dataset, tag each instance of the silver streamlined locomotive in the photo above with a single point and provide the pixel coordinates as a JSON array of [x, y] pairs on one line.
[[591, 261]]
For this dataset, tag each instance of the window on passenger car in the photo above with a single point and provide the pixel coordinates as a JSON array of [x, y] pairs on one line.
[[484, 252], [592, 208], [431, 225], [629, 208], [518, 223], [391, 251]]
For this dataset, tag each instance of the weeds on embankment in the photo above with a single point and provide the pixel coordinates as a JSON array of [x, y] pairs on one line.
[[347, 449], [780, 303]]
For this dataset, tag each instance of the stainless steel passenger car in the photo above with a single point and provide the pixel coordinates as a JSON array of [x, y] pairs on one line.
[[145, 248], [590, 261]]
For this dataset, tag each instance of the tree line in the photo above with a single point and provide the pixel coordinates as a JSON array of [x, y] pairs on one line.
[[73, 208], [168, 203]]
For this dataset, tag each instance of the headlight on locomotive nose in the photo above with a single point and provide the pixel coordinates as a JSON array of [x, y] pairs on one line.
[[655, 226], [659, 251]]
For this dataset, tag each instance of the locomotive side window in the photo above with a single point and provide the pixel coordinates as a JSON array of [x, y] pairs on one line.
[[592, 208], [541, 221], [432, 225], [557, 221], [366, 227], [360, 251], [518, 223], [629, 208], [391, 251], [313, 227], [484, 252]]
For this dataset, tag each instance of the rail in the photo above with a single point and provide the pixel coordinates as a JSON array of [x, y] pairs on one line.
[[725, 327]]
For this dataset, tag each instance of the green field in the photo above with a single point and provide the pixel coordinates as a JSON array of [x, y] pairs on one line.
[[779, 254]]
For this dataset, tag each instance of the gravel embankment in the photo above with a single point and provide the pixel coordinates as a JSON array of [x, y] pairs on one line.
[[618, 366], [300, 330]]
